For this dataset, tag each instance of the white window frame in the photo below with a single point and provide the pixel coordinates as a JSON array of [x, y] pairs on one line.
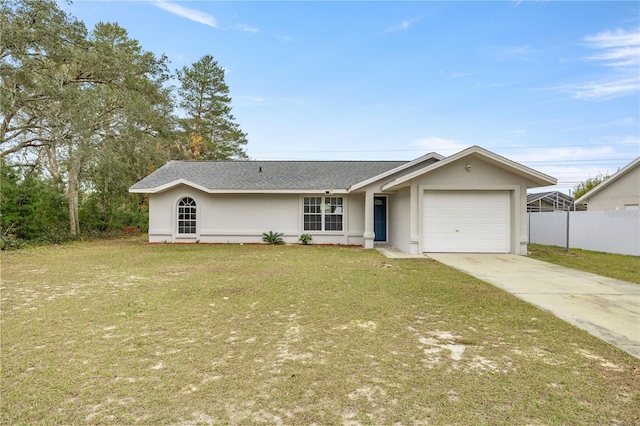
[[310, 208], [192, 210], [329, 207]]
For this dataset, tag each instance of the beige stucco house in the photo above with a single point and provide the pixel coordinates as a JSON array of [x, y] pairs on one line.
[[620, 192], [472, 201]]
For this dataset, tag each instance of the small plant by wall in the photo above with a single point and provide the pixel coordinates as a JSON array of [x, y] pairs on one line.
[[305, 239], [272, 237]]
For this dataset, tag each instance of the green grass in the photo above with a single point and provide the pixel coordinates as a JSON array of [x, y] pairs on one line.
[[621, 267], [122, 332]]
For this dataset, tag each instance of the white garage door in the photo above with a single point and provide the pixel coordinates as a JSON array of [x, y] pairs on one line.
[[466, 222]]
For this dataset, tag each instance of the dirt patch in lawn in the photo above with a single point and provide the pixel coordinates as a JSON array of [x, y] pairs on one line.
[[129, 333]]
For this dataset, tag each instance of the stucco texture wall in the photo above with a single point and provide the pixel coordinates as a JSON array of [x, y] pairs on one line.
[[242, 218], [399, 232], [623, 191]]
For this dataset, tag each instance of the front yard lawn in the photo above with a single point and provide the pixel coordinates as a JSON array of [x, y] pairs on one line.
[[122, 332], [621, 267]]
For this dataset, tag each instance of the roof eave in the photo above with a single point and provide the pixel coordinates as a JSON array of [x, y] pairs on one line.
[[429, 156], [166, 186], [175, 183]]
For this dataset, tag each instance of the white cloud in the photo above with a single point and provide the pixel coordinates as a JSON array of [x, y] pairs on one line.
[[184, 12], [512, 53], [621, 122], [403, 26], [246, 28], [569, 165], [604, 88], [620, 51], [620, 48], [560, 154], [458, 74], [442, 146]]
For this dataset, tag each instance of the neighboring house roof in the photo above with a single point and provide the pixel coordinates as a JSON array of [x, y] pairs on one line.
[[538, 178], [550, 196], [554, 199], [626, 169], [239, 176]]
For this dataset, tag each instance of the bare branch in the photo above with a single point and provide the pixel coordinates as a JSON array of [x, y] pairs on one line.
[[27, 143]]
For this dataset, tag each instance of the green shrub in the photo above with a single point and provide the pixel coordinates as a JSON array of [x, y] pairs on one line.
[[32, 206], [11, 243], [272, 238], [305, 238]]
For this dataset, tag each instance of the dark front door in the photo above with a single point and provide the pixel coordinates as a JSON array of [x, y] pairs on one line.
[[380, 218]]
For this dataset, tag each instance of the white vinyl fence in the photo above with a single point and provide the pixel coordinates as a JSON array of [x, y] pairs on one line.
[[610, 231]]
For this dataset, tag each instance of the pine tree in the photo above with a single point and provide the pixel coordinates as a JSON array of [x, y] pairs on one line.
[[210, 131]]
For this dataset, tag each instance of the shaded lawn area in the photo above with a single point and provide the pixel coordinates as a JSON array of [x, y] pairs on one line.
[[122, 332], [618, 266]]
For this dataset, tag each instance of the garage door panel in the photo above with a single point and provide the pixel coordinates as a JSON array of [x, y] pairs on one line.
[[466, 221]]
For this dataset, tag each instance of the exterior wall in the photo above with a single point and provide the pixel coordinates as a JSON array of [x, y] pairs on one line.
[[355, 219], [399, 220], [482, 176], [239, 218], [242, 218], [624, 190]]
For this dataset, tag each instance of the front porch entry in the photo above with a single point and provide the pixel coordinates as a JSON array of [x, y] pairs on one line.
[[380, 218]]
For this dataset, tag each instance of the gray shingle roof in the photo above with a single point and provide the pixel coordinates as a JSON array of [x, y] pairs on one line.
[[275, 175]]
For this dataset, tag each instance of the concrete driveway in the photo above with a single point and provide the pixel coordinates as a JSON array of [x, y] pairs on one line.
[[605, 307]]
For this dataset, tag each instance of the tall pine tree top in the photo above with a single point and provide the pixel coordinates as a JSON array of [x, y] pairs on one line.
[[210, 130]]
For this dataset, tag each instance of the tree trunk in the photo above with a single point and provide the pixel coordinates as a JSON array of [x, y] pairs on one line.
[[73, 191], [51, 164]]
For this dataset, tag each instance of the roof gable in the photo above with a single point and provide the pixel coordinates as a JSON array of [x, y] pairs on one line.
[[534, 176], [617, 175]]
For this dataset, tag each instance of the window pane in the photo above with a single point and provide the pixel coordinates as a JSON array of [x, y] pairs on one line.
[[333, 205], [313, 222], [187, 202], [333, 222], [187, 216]]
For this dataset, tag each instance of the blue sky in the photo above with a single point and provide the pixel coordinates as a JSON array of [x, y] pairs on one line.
[[552, 85]]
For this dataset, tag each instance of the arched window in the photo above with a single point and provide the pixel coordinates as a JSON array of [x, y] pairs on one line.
[[187, 216]]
